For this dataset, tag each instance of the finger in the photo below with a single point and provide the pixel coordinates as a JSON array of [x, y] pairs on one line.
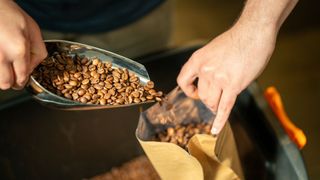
[[37, 46], [20, 65], [7, 76], [203, 87], [226, 103], [214, 95], [186, 77], [20, 68]]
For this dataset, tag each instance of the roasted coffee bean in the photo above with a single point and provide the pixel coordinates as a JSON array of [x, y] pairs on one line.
[[149, 97], [97, 86], [133, 79], [68, 86], [84, 86], [73, 83], [95, 62], [95, 96], [135, 94], [85, 81], [112, 92], [75, 96], [181, 134], [107, 96], [87, 96], [81, 92], [116, 74], [121, 90], [103, 101], [92, 81], [117, 85], [65, 91], [67, 95], [83, 100], [108, 85], [136, 100], [77, 75], [120, 101], [84, 61], [150, 84]]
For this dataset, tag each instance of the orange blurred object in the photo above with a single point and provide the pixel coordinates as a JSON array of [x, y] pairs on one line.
[[296, 134]]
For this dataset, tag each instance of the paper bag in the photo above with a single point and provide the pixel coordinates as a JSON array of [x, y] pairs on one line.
[[208, 157]]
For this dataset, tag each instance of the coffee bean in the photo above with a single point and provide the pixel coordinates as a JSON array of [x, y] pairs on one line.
[[150, 84], [97, 86], [83, 100], [108, 85], [91, 90], [136, 100], [103, 101], [85, 81], [180, 134], [73, 83], [117, 85], [84, 61], [67, 95], [95, 62], [81, 92], [149, 97], [135, 94], [92, 81], [75, 96], [120, 101]]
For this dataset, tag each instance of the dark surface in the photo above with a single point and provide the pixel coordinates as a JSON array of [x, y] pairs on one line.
[[41, 143]]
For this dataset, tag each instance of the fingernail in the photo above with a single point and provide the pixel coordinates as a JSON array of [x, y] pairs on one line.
[[214, 130]]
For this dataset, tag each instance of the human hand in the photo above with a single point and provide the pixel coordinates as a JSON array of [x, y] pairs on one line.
[[21, 46], [226, 66]]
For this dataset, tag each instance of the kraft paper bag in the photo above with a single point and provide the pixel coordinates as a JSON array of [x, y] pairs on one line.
[[207, 158]]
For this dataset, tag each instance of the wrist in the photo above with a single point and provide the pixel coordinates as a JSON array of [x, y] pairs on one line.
[[261, 25]]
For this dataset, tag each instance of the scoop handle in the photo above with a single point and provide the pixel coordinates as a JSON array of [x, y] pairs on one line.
[[274, 100]]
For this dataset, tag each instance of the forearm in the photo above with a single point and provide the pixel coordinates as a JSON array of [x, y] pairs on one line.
[[266, 14]]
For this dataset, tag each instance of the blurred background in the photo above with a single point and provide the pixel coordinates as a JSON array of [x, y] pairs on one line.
[[294, 67]]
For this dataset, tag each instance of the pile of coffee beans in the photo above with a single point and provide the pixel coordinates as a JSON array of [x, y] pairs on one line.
[[181, 134], [92, 81], [135, 169]]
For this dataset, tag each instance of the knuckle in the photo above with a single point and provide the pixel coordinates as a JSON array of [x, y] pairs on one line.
[[179, 80], [22, 21], [21, 79], [221, 78], [203, 70], [197, 54]]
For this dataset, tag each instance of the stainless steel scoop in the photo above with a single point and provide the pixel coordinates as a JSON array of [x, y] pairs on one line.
[[50, 99]]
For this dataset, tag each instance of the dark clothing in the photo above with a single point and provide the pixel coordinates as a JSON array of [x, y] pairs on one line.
[[86, 16]]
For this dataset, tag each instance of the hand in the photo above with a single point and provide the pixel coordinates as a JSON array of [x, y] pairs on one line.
[[226, 66], [21, 46]]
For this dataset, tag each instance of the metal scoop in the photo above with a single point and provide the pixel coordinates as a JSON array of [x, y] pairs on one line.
[[50, 99]]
